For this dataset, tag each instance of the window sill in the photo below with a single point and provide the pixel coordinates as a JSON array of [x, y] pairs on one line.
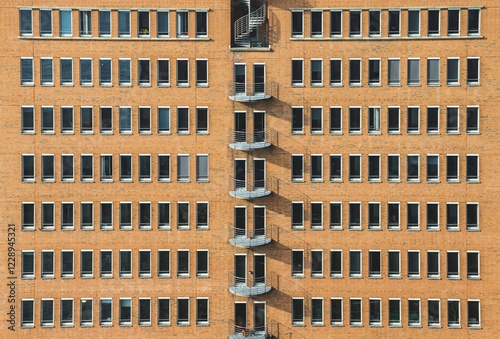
[[375, 325], [473, 181], [394, 229], [355, 85], [336, 180], [453, 278], [336, 85], [414, 278], [67, 229], [414, 133], [68, 180], [374, 180], [395, 325], [394, 180], [374, 133], [298, 85], [336, 276], [433, 181], [414, 181], [375, 85], [395, 277], [48, 132], [374, 228], [375, 277], [298, 276], [336, 228], [413, 229]]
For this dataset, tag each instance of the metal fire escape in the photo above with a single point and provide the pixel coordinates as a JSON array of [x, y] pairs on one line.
[[250, 29]]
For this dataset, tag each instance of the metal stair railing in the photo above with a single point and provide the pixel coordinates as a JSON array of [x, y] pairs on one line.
[[247, 23]]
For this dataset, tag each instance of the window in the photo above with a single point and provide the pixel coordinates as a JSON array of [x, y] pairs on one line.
[[432, 216], [373, 215], [316, 263], [335, 23], [452, 117], [67, 266], [394, 22], [87, 216], [297, 24], [163, 72], [472, 166], [473, 314], [182, 120], [354, 167], [393, 120], [87, 167], [124, 23], [413, 216], [433, 120], [104, 23], [27, 72], [432, 72], [201, 24], [472, 21], [67, 120], [26, 24], [374, 72], [124, 72], [163, 120], [433, 22], [393, 167], [453, 21], [413, 72], [183, 168], [317, 311], [297, 72], [453, 265], [413, 123], [335, 120], [472, 120], [335, 215], [432, 167], [125, 263], [145, 263], [373, 167], [434, 313], [453, 72], [413, 168], [355, 264], [472, 71], [374, 25], [66, 312], [182, 24], [201, 263], [354, 23], [28, 120], [45, 22], [105, 72], [335, 72], [106, 312], [144, 216], [297, 120], [413, 22], [202, 311], [182, 215], [414, 312], [355, 312], [47, 168], [163, 167], [374, 264], [106, 216], [143, 23], [298, 311], [86, 312], [336, 263], [163, 311], [297, 263], [144, 311], [28, 264], [472, 265], [316, 167], [47, 120], [144, 72], [316, 72], [125, 216], [85, 72], [46, 72], [67, 216], [355, 120], [452, 167], [433, 266], [28, 216], [106, 264], [163, 263], [354, 72], [394, 312], [163, 215], [183, 263], [48, 216], [375, 312], [85, 17], [125, 312], [201, 72], [374, 120], [394, 264], [125, 120], [86, 264], [145, 168], [106, 168], [394, 72], [472, 217], [202, 215], [297, 215], [27, 312], [202, 167], [316, 24], [297, 167], [413, 264]]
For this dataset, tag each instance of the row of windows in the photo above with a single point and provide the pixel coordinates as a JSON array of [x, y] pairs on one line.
[[123, 23], [392, 215], [394, 123], [316, 312], [393, 72], [145, 165], [146, 72], [148, 215], [144, 118], [129, 311], [393, 172], [375, 264], [394, 17], [123, 264]]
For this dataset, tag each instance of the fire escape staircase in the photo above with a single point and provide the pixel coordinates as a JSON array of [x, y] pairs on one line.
[[244, 26]]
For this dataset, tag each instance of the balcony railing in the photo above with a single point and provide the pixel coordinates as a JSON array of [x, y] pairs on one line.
[[247, 287], [250, 238], [248, 92], [249, 141], [244, 189], [245, 332]]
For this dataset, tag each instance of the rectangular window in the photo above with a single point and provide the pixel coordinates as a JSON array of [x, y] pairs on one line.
[[124, 72], [432, 216], [336, 264], [413, 168], [316, 72], [434, 313], [297, 120], [473, 25], [472, 120], [163, 311], [453, 72], [27, 312], [125, 312], [46, 72], [374, 120], [354, 168], [67, 120], [393, 167], [317, 311], [432, 167], [163, 167], [297, 24], [106, 168], [413, 122], [433, 120], [28, 216], [106, 120], [433, 266], [373, 167], [163, 120], [202, 167], [125, 167], [374, 72], [104, 23], [297, 215], [106, 312], [26, 23], [143, 24], [85, 72], [452, 117], [316, 24], [413, 264], [86, 264], [413, 22], [354, 23], [297, 72], [374, 25], [183, 120], [163, 72], [182, 24], [335, 72], [125, 216], [47, 313], [394, 264], [106, 264], [125, 263], [414, 313], [472, 71], [413, 72], [473, 314], [453, 265], [162, 24], [85, 23], [144, 311], [394, 22], [355, 264], [395, 312], [144, 216], [201, 72], [45, 22], [125, 120], [297, 263], [163, 215], [394, 78], [145, 120], [182, 215], [67, 216], [413, 216], [335, 23], [453, 21], [355, 120], [183, 263], [316, 120], [66, 312], [433, 22], [316, 263], [48, 120], [202, 215], [393, 120], [297, 167], [28, 264], [47, 168], [452, 168], [183, 168], [87, 216], [163, 263], [201, 24], [202, 311], [374, 264], [355, 312], [201, 120], [144, 72], [472, 168], [144, 263], [27, 72], [48, 216], [373, 215], [472, 216], [375, 312], [316, 167], [432, 72], [393, 215], [124, 23], [298, 311], [354, 72], [202, 263], [105, 72], [86, 312]]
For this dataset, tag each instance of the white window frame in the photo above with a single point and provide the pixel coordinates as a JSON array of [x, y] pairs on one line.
[[341, 274], [374, 323]]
